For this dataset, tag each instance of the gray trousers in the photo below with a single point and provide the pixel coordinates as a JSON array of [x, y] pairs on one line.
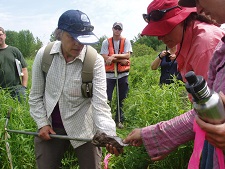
[[50, 153]]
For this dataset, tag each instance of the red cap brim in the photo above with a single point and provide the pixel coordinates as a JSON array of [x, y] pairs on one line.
[[163, 27]]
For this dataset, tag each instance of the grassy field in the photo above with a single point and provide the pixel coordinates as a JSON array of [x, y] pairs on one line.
[[146, 104]]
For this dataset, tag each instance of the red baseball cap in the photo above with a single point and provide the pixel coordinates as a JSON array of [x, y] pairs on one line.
[[169, 21]]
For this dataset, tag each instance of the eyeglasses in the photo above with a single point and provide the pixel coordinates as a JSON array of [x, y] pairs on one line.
[[157, 15], [117, 28]]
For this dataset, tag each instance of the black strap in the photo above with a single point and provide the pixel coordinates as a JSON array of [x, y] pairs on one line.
[[181, 44]]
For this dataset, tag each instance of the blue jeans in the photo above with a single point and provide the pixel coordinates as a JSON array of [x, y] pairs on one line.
[[123, 90], [18, 92], [207, 156]]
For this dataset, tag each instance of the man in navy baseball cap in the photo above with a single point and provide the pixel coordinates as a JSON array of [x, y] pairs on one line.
[[78, 25]]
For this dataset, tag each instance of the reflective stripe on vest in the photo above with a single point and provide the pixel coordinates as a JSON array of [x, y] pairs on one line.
[[121, 68]]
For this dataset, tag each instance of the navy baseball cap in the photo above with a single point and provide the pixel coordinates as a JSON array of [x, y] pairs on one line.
[[78, 25]]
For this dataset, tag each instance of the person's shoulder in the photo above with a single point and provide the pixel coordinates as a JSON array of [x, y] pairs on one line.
[[207, 28], [100, 57], [55, 48], [127, 41], [13, 49], [105, 41], [125, 38], [208, 33], [99, 60]]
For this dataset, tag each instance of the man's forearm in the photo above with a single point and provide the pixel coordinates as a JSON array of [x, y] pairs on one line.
[[25, 77], [122, 56]]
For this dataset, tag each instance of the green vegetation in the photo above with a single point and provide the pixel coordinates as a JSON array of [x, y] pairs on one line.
[[146, 104]]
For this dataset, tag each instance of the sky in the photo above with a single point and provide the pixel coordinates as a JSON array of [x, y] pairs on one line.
[[41, 17]]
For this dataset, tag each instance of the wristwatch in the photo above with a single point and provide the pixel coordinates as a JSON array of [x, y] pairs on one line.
[[160, 56]]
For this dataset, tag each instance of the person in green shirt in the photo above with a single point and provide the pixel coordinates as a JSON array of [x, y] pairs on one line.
[[13, 69]]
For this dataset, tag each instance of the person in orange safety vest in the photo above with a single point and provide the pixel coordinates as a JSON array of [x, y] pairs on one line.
[[116, 52]]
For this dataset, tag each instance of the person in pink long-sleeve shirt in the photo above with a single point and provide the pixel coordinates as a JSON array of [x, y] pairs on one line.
[[197, 42], [162, 138], [195, 36]]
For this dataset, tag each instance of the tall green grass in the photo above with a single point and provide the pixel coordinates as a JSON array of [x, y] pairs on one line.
[[146, 104]]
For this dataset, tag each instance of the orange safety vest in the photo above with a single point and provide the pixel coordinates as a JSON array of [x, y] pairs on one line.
[[120, 68]]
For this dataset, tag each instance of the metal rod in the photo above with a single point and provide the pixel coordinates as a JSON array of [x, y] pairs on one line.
[[6, 138], [7, 118], [117, 92], [64, 137]]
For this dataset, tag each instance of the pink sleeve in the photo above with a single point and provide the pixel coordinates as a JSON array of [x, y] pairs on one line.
[[165, 136]]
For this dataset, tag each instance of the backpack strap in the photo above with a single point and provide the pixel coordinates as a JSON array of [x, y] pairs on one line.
[[47, 58], [87, 72], [88, 65]]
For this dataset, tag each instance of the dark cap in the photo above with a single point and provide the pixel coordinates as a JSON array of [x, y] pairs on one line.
[[78, 25], [118, 24], [187, 3]]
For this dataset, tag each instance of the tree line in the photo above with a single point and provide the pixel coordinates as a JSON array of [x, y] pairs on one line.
[[29, 45]]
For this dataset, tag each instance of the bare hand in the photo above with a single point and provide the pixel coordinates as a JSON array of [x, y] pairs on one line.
[[113, 150], [159, 157], [172, 56], [134, 138], [163, 54], [109, 60], [45, 131], [124, 62], [222, 96]]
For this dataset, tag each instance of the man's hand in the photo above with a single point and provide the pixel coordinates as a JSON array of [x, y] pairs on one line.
[[159, 157], [109, 60], [113, 150], [124, 62], [45, 131], [134, 138]]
